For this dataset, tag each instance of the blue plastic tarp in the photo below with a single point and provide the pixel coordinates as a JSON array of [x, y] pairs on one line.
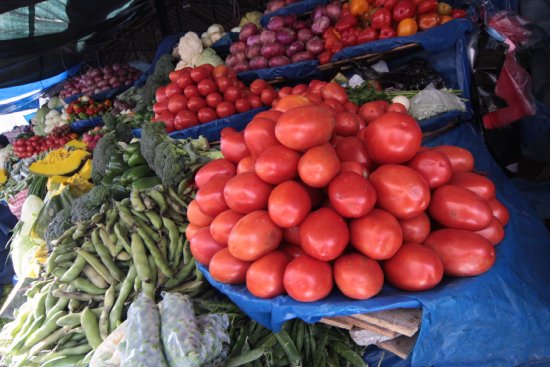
[[299, 7], [85, 125], [299, 70], [499, 318]]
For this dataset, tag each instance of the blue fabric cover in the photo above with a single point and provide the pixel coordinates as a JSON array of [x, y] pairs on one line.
[[499, 318], [300, 70], [299, 7], [85, 125]]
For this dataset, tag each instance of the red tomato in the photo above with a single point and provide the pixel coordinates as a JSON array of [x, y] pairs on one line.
[[226, 131], [370, 111], [257, 86], [207, 86], [291, 101], [346, 123], [415, 229], [351, 107], [319, 165], [255, 101], [213, 168], [461, 159], [377, 234], [494, 232], [225, 109], [307, 279], [242, 105], [196, 216], [222, 225], [271, 114], [381, 18], [354, 166], [434, 166], [351, 195], [210, 196], [203, 246], [304, 127], [336, 91], [190, 231], [206, 114], [195, 104], [174, 75], [464, 253], [387, 32], [177, 103], [167, 118], [184, 80], [499, 211], [254, 236], [357, 276], [223, 83], [351, 148], [457, 207], [324, 234], [160, 95], [288, 204], [171, 90], [198, 74], [392, 138], [233, 147], [267, 96], [403, 9], [185, 119], [284, 91], [191, 91], [160, 107], [259, 135], [481, 185], [228, 269], [300, 89], [291, 250], [264, 277], [397, 107], [277, 164], [247, 164], [400, 190], [337, 106], [414, 268], [219, 71], [292, 235], [208, 67], [231, 94], [214, 99], [246, 192]]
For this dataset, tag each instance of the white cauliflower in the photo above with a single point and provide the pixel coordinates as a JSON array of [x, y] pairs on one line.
[[189, 50]]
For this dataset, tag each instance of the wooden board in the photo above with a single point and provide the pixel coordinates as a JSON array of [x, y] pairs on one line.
[[335, 321], [400, 346], [404, 321]]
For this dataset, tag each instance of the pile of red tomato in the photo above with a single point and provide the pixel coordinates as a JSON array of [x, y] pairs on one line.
[[205, 93], [313, 193], [26, 148]]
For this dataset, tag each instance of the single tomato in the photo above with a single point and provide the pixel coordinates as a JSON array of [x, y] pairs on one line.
[[259, 135], [210, 197], [277, 164], [415, 229], [461, 159], [177, 103], [213, 168], [377, 234], [352, 148], [324, 234], [370, 111], [494, 232], [319, 165], [304, 127], [246, 164], [307, 279], [254, 236], [222, 224], [479, 184], [196, 216], [264, 277], [499, 211], [288, 204], [226, 268], [233, 146], [434, 166], [203, 246], [351, 195], [246, 193], [357, 276]]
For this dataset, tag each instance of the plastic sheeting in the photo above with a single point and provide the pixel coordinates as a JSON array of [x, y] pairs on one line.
[[299, 7], [85, 125], [499, 318]]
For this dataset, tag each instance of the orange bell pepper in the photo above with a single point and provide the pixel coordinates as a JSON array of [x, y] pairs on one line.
[[358, 7]]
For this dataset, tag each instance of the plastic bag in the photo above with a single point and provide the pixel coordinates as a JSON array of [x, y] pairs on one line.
[[430, 102]]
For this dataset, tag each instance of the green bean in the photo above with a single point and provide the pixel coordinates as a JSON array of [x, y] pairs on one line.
[[123, 256], [35, 288], [143, 223], [321, 348], [181, 275], [50, 299], [89, 323], [188, 287], [163, 247], [66, 257], [74, 305], [176, 207], [65, 341], [104, 207], [289, 348], [60, 305], [348, 354], [104, 236], [299, 337], [67, 234], [155, 219], [126, 202], [40, 305], [49, 340], [78, 295], [84, 285], [73, 319], [174, 196], [140, 215], [94, 277], [155, 252], [332, 361], [22, 318], [127, 285], [19, 340], [127, 217], [138, 284], [110, 296], [182, 187], [159, 199], [46, 329], [179, 250], [238, 344], [81, 230], [74, 270], [97, 265], [111, 217], [64, 361], [135, 200], [141, 263], [307, 343], [98, 218], [173, 235], [175, 216], [187, 255], [65, 352], [122, 237], [147, 201], [106, 258], [154, 274]]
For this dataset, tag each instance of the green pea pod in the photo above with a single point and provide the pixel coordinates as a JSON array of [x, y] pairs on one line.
[[84, 285], [126, 288], [110, 296], [97, 265], [64, 361], [42, 332], [106, 258], [146, 182], [74, 270], [89, 323], [141, 263], [40, 305], [161, 263]]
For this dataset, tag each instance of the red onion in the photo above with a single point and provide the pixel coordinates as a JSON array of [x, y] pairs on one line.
[[275, 5], [267, 36], [116, 67], [105, 87], [253, 40], [318, 12], [302, 56], [321, 24], [95, 91], [289, 19], [238, 46], [305, 34], [275, 23], [258, 62], [300, 24], [240, 57], [97, 79], [270, 50], [278, 61], [286, 35], [315, 45], [241, 67], [333, 11], [295, 47], [230, 60], [253, 51], [113, 80], [248, 30]]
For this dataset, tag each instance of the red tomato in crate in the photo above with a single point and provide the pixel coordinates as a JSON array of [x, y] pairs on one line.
[[319, 165], [397, 107], [499, 211], [171, 90], [461, 159], [254, 236], [165, 117], [226, 268], [414, 268], [190, 231], [213, 168], [307, 279], [284, 91], [267, 96], [196, 103], [259, 135], [214, 99], [400, 190], [291, 250], [357, 276], [304, 127], [210, 197], [494, 232], [191, 91], [434, 166], [177, 103], [225, 109], [246, 193], [288, 204], [223, 83], [392, 138], [255, 101], [479, 184], [463, 253], [222, 225], [232, 94], [352, 148], [160, 107], [264, 277], [354, 166], [203, 246], [185, 119], [403, 9], [206, 114], [277, 164], [198, 74], [335, 91], [196, 216], [242, 105], [160, 95], [269, 114], [415, 229], [377, 234], [381, 18], [300, 89], [291, 101], [460, 208], [387, 32], [247, 164], [257, 86], [324, 234], [233, 146], [207, 86], [184, 80], [346, 123], [219, 70], [351, 195]]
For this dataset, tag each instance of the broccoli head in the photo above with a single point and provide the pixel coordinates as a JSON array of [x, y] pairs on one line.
[[165, 65], [152, 135], [60, 223], [105, 148], [90, 203]]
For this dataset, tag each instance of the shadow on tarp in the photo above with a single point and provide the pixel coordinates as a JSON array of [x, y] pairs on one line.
[[499, 318]]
